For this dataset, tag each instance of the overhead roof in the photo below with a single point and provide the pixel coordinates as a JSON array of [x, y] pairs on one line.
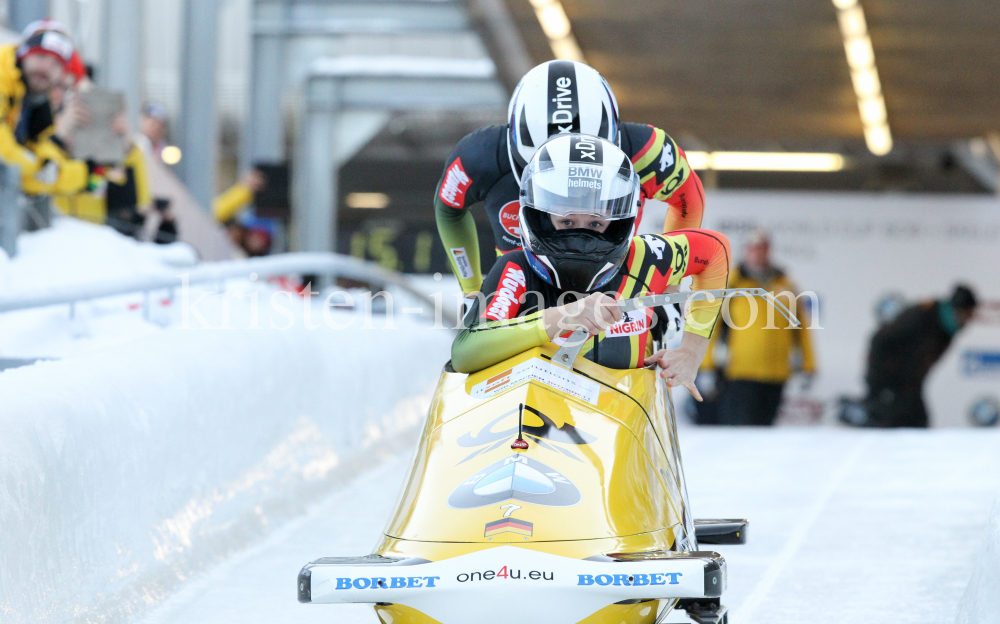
[[761, 71]]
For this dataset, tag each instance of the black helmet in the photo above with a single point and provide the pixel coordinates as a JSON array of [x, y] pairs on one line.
[[578, 174]]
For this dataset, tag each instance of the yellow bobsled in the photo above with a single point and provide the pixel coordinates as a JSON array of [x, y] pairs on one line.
[[542, 493]]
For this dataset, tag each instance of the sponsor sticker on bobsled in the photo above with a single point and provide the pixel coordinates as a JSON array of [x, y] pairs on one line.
[[462, 262], [632, 323], [543, 372], [392, 582]]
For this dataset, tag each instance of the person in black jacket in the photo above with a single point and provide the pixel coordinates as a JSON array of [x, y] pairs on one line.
[[903, 352]]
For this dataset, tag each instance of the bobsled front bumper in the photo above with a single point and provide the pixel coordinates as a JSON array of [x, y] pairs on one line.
[[490, 583]]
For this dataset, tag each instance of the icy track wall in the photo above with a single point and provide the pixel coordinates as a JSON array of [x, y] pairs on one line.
[[125, 471], [981, 601]]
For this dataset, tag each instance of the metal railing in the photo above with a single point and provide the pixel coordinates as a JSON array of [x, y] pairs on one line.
[[319, 264]]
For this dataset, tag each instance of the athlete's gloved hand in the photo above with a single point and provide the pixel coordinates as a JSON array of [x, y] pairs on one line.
[[596, 313], [680, 365]]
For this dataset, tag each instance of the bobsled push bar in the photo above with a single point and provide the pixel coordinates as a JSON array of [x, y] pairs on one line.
[[486, 583], [567, 353]]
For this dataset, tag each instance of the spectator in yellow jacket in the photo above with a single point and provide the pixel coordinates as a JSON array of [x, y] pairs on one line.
[[762, 350], [27, 73]]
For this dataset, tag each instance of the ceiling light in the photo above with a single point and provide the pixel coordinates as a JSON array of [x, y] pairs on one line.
[[367, 200], [859, 52], [879, 139], [552, 18], [872, 111], [698, 160], [171, 154], [766, 161], [852, 23], [864, 76], [866, 83], [566, 49], [554, 21]]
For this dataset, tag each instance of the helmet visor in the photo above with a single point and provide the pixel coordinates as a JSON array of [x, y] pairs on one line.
[[578, 188]]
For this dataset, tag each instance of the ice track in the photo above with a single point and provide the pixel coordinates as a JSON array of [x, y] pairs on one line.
[[846, 526]]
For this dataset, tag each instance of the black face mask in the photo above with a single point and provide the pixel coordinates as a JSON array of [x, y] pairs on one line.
[[582, 259]]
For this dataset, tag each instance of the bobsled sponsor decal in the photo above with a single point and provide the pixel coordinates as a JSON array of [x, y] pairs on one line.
[[461, 262], [456, 183], [656, 578], [504, 573], [541, 371], [392, 582], [519, 478], [510, 219], [632, 323], [507, 299], [508, 525]]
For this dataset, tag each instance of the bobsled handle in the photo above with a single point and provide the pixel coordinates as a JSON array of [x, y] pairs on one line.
[[568, 352]]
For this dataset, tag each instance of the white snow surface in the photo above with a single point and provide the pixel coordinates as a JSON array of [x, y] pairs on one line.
[[846, 526], [147, 452], [981, 601]]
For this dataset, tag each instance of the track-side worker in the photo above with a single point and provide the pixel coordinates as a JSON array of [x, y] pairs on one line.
[[557, 97], [580, 199], [27, 73]]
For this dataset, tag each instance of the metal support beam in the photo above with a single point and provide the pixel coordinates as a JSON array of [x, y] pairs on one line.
[[348, 99], [20, 13], [198, 127], [264, 138], [277, 22], [123, 53]]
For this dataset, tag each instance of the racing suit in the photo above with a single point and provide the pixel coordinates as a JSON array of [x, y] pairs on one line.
[[508, 320], [478, 170]]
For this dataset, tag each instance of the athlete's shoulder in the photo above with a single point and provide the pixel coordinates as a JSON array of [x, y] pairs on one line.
[[657, 159], [481, 146], [474, 166]]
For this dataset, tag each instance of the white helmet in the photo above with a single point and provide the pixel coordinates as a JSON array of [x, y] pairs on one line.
[[578, 174], [558, 97]]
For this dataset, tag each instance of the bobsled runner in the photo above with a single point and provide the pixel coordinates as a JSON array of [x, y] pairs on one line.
[[544, 489]]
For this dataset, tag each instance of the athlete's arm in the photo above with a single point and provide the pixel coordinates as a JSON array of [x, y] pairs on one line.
[[470, 171], [666, 175], [457, 228], [485, 342], [707, 261], [493, 330], [704, 255], [687, 202]]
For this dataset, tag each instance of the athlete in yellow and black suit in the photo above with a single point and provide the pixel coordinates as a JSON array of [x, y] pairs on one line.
[[479, 170], [509, 319]]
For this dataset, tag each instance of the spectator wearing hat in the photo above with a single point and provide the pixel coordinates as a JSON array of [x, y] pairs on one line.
[[27, 73], [902, 353], [762, 350]]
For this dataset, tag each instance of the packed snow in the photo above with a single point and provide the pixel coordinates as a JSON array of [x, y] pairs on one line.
[[142, 452]]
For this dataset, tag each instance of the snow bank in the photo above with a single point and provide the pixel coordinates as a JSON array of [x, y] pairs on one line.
[[123, 472], [150, 452], [981, 600]]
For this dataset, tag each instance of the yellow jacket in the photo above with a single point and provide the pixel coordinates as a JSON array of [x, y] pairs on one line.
[[759, 353], [93, 207], [231, 201], [30, 158]]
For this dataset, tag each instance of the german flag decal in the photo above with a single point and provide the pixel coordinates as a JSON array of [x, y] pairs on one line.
[[508, 525]]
